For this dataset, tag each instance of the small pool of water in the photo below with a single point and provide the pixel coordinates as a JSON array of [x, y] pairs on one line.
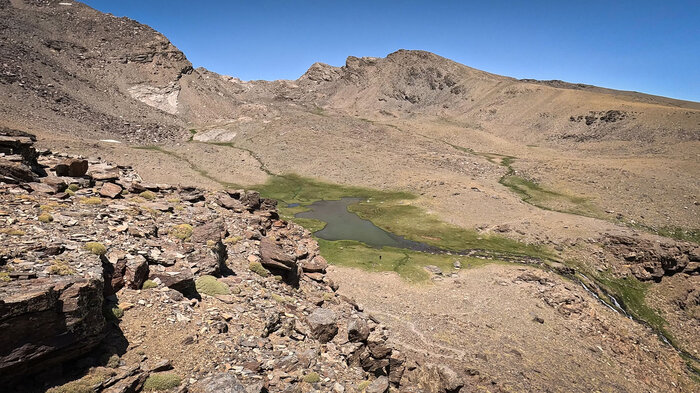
[[342, 224]]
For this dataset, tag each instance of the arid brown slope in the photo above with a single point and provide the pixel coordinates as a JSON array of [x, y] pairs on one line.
[[412, 121]]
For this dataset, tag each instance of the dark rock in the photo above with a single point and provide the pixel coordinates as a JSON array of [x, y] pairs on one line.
[[272, 323], [322, 323], [71, 167], [251, 200], [358, 329], [226, 382], [58, 184], [45, 322], [163, 365], [376, 343], [16, 172], [179, 278], [279, 261], [136, 272], [397, 365]]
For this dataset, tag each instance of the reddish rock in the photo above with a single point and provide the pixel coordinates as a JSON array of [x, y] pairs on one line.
[[110, 190]]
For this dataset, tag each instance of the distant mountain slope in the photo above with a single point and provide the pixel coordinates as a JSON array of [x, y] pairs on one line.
[[67, 67]]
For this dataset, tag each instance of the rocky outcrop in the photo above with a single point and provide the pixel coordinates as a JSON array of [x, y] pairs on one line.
[[165, 259], [48, 321], [651, 259], [18, 157]]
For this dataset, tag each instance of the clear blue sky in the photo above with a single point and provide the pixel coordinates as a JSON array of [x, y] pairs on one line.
[[642, 45]]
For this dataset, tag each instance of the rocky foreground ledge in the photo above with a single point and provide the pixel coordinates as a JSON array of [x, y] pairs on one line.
[[111, 284]]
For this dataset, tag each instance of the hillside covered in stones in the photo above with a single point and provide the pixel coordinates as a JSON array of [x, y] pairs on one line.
[[111, 284], [135, 254]]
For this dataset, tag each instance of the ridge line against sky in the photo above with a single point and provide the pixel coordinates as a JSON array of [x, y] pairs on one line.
[[647, 46]]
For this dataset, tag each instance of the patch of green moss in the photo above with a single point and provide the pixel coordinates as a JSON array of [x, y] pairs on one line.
[[182, 231], [161, 382], [45, 218], [688, 235], [257, 267], [631, 293], [5, 277], [148, 284], [209, 285], [415, 224], [70, 192], [547, 199], [148, 195], [312, 377], [95, 248], [292, 188], [73, 187]]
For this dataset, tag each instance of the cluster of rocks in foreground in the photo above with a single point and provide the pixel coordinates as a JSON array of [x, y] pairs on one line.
[[123, 286]]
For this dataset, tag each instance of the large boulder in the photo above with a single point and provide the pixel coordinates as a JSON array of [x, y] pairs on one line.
[[48, 321], [279, 260], [322, 323], [71, 167]]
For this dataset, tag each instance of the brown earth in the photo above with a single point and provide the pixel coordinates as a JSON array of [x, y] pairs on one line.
[[412, 121]]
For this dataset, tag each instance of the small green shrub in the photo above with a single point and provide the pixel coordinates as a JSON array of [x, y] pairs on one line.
[[95, 248], [73, 187], [182, 231], [84, 384], [161, 382], [91, 201], [60, 268], [5, 277], [117, 312], [209, 285], [257, 267], [148, 195], [363, 385], [12, 231], [45, 218], [148, 284], [70, 192], [113, 361], [312, 377]]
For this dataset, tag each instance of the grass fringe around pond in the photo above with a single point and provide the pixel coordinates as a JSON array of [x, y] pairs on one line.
[[388, 210], [407, 263]]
